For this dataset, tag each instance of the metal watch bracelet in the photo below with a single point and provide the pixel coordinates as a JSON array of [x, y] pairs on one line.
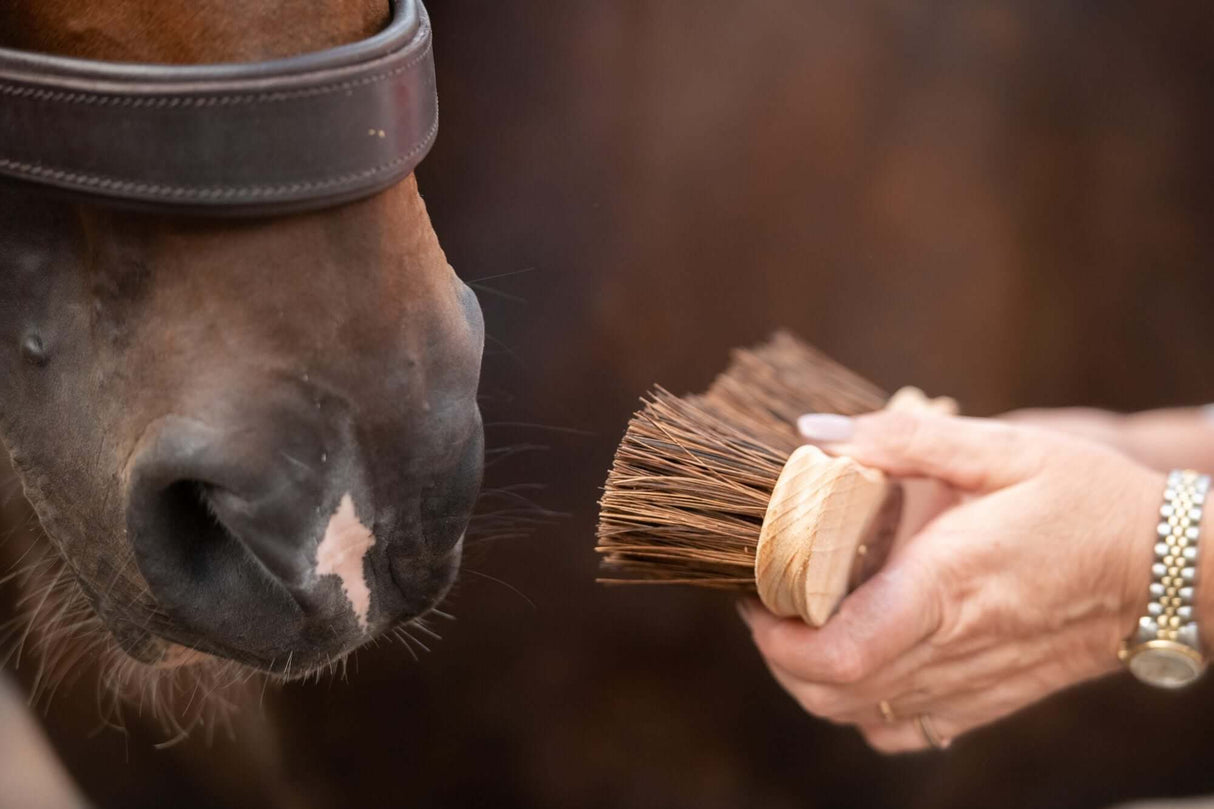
[[1166, 647]]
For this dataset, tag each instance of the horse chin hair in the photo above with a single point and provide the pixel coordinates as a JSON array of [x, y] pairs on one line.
[[185, 692], [188, 692]]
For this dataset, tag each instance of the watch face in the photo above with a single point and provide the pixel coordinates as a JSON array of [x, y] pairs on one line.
[[1166, 667]]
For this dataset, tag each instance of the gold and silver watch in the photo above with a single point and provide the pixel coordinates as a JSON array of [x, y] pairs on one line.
[[1165, 650]]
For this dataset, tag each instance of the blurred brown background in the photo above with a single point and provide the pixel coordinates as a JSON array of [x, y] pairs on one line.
[[1005, 202]]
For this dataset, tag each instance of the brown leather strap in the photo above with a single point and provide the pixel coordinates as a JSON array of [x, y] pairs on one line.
[[231, 139]]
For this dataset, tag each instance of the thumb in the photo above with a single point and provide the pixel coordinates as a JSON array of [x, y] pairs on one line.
[[878, 623], [972, 454]]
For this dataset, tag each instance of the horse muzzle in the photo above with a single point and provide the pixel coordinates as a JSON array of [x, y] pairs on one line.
[[265, 537]]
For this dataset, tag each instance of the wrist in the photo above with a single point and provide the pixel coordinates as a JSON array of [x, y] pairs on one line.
[[1142, 500], [1203, 595], [1180, 437], [1131, 436], [1165, 650]]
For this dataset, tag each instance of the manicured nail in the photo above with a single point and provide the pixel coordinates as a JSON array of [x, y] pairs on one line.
[[826, 428]]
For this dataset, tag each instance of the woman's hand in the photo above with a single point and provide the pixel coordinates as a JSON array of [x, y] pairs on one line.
[[1024, 587]]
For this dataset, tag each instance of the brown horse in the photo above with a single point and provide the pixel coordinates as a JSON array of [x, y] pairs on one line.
[[255, 442]]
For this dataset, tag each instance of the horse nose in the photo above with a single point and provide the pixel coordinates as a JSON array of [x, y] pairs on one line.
[[225, 523]]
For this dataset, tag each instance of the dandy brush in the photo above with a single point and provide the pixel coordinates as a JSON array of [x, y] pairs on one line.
[[717, 490]]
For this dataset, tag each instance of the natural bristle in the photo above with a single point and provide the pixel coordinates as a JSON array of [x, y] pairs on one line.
[[686, 496], [766, 388]]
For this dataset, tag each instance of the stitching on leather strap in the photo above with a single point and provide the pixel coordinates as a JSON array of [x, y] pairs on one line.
[[277, 136], [39, 172], [170, 101]]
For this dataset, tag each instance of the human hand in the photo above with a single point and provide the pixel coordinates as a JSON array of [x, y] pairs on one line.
[[1024, 587]]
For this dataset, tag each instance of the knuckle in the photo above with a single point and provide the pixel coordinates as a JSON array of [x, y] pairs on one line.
[[939, 583], [1010, 440], [1023, 448], [845, 664], [898, 431], [879, 739], [819, 701], [780, 643], [887, 741]]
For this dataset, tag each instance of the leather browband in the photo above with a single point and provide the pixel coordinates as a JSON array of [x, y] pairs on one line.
[[229, 139]]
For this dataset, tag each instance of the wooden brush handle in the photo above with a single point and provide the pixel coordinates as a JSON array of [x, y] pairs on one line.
[[913, 399], [823, 515]]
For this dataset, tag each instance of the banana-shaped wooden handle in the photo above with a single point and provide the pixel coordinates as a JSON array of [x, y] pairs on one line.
[[823, 515]]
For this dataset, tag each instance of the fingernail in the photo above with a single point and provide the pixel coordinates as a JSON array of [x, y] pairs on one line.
[[826, 428], [743, 611]]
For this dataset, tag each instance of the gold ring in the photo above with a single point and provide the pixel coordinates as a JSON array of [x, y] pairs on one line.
[[887, 712], [928, 730]]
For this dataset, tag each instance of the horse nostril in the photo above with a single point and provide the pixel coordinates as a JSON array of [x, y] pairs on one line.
[[254, 539], [183, 512], [193, 540], [198, 520], [224, 535]]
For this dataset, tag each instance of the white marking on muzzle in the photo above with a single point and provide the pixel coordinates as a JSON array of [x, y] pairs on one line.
[[341, 553]]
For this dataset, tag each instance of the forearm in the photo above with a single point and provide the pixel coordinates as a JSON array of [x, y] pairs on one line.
[[1170, 438], [1163, 439]]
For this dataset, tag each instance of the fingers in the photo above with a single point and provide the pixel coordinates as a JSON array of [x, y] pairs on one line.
[[852, 705], [947, 717], [958, 692], [918, 733], [888, 615], [972, 454]]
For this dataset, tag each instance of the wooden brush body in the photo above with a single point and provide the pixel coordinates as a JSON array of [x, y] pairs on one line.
[[820, 511], [718, 491]]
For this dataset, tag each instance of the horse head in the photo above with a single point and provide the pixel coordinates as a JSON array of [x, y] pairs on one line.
[[252, 439]]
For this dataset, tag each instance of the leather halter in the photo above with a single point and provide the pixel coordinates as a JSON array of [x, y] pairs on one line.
[[252, 138]]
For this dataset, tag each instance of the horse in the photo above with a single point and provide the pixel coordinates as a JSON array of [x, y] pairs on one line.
[[252, 441]]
